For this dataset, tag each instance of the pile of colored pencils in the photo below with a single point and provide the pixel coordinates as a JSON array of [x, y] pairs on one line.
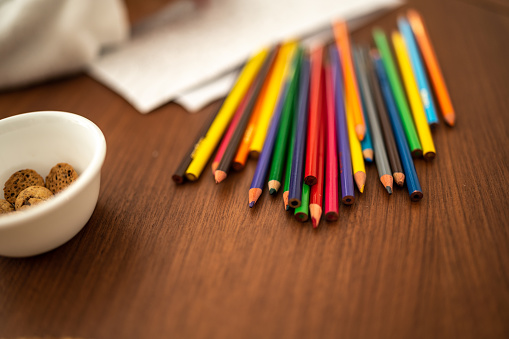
[[313, 116]]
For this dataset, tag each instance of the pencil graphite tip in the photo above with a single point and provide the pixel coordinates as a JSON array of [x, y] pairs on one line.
[[368, 155], [274, 186], [272, 191], [389, 189], [360, 180], [315, 222], [399, 178], [220, 176], [251, 204], [254, 194], [387, 181], [450, 119]]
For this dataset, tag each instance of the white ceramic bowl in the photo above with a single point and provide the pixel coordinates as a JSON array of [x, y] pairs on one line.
[[38, 141]]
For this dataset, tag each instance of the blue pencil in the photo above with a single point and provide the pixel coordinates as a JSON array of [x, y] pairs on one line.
[[420, 74], [296, 177], [345, 159], [413, 185], [262, 167]]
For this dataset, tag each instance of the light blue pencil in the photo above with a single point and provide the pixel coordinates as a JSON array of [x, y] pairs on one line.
[[420, 74]]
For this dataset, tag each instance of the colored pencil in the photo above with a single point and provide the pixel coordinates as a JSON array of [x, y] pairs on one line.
[[343, 136], [331, 160], [302, 211], [225, 114], [239, 162], [316, 192], [399, 95], [366, 143], [229, 132], [296, 176], [180, 173], [270, 101], [291, 144], [351, 88], [428, 147], [381, 160], [224, 165], [414, 188], [263, 164], [390, 143], [280, 148], [314, 116], [358, 167], [431, 61], [419, 72]]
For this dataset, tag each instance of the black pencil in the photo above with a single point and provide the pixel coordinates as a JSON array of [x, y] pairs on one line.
[[390, 142], [180, 173], [231, 150]]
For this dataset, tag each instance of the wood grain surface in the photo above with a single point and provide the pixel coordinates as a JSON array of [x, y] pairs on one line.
[[158, 260]]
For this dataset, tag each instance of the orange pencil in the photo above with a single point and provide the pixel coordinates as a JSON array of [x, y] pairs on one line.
[[431, 62], [350, 80], [239, 162]]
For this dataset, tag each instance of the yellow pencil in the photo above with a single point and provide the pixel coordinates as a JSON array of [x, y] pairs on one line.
[[358, 167], [274, 86], [421, 123], [204, 151]]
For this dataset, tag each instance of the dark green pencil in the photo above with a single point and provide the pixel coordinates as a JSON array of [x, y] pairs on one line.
[[278, 157]]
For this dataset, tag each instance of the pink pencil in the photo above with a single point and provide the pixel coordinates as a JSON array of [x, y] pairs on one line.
[[231, 129], [331, 163]]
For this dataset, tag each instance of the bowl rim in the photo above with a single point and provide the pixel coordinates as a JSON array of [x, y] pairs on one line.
[[22, 217]]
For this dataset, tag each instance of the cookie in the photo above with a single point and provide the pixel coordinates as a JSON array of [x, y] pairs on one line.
[[19, 181], [5, 206], [32, 195], [60, 176]]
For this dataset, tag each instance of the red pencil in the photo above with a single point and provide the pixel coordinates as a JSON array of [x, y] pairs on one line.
[[316, 194], [314, 117], [331, 160], [231, 129]]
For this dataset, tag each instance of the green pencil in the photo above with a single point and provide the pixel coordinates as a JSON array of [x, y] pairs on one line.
[[397, 90], [302, 212], [276, 169]]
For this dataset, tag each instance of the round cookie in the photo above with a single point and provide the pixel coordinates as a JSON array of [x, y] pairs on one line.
[[60, 176], [5, 206], [19, 181], [32, 195]]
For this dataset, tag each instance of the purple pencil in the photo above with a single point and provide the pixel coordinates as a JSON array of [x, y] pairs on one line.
[[345, 160], [263, 164]]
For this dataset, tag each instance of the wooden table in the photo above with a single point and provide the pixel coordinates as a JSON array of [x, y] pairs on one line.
[[158, 260]]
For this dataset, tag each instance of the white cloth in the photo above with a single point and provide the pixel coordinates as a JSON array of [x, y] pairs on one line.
[[41, 39]]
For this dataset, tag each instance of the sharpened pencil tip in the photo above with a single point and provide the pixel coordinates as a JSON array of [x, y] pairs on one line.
[[251, 204], [315, 222], [362, 189], [450, 119], [389, 189], [272, 191]]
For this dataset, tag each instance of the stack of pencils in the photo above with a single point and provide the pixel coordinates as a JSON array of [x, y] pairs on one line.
[[314, 116]]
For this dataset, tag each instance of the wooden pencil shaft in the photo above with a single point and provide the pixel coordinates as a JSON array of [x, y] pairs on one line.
[[302, 211], [390, 143], [296, 176], [316, 194], [230, 151], [381, 160]]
